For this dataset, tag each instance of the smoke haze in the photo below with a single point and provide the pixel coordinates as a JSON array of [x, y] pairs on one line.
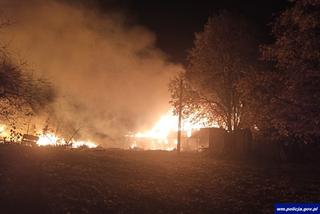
[[109, 76]]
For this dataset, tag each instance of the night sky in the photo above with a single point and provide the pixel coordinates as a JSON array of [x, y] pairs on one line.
[[175, 22]]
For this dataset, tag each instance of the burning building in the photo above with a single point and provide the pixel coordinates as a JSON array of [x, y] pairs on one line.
[[163, 135]]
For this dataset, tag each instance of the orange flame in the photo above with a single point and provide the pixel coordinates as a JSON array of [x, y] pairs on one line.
[[159, 136]]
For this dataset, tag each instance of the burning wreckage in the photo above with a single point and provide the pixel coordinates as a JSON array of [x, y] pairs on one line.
[[162, 136], [43, 139], [199, 136]]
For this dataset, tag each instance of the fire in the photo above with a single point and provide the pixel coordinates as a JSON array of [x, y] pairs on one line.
[[161, 129], [163, 134], [48, 139], [89, 144], [52, 140], [3, 131]]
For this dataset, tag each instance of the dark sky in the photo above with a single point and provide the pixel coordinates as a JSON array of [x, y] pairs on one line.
[[175, 22]]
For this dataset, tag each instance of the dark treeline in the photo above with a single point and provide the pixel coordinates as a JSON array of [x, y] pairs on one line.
[[272, 89]]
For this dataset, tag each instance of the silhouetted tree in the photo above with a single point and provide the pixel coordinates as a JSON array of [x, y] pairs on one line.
[[223, 53], [194, 106], [20, 93], [286, 98]]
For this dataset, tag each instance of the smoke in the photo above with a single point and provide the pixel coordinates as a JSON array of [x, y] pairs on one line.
[[109, 76]]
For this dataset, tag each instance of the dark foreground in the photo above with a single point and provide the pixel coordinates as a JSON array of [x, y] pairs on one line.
[[57, 181]]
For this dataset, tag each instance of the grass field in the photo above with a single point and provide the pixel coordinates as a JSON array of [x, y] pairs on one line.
[[44, 180]]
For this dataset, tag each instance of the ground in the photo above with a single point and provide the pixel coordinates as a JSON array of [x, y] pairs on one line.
[[46, 180]]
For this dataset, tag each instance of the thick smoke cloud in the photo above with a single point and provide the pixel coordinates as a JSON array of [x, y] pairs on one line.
[[109, 76]]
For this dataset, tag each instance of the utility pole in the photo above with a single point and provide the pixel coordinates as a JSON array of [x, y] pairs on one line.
[[180, 117]]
